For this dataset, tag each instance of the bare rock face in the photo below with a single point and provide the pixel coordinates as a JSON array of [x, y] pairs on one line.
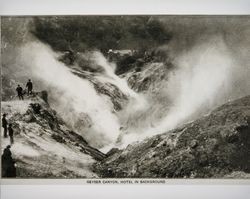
[[43, 144], [214, 146], [149, 77]]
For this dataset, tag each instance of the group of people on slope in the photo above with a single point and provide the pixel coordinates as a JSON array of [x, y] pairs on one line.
[[8, 163], [20, 91], [7, 129]]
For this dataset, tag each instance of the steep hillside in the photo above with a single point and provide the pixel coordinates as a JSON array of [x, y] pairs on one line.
[[43, 145], [215, 146]]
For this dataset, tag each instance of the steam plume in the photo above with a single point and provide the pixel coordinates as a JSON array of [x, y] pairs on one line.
[[74, 98], [207, 75]]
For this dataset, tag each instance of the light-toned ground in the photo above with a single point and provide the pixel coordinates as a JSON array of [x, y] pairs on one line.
[[36, 152]]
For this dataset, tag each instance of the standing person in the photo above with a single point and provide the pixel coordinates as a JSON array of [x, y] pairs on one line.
[[4, 125], [8, 164], [19, 90], [29, 85], [11, 134]]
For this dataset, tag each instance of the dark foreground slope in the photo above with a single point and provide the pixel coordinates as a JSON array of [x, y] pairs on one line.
[[44, 147], [214, 146]]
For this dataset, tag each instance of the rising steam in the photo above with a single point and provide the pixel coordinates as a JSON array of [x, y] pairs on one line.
[[205, 77], [212, 66], [74, 98], [201, 82]]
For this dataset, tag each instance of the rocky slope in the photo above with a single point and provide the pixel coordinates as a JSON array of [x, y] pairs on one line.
[[43, 145], [215, 146]]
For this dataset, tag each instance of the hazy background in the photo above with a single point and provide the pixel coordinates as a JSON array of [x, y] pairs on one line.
[[210, 57]]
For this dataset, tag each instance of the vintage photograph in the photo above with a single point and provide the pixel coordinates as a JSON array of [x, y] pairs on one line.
[[147, 96]]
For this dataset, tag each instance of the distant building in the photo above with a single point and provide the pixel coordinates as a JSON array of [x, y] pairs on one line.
[[121, 52], [114, 55]]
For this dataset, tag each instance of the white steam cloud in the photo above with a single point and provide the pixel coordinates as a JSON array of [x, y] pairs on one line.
[[73, 97], [110, 75], [207, 75], [201, 82]]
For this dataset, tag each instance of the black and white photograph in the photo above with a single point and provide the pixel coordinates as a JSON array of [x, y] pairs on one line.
[[125, 96]]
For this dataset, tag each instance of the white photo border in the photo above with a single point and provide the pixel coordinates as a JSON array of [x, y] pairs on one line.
[[40, 189]]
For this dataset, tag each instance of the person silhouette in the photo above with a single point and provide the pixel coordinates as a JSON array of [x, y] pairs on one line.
[[19, 90], [29, 85], [8, 164], [4, 125], [11, 133]]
